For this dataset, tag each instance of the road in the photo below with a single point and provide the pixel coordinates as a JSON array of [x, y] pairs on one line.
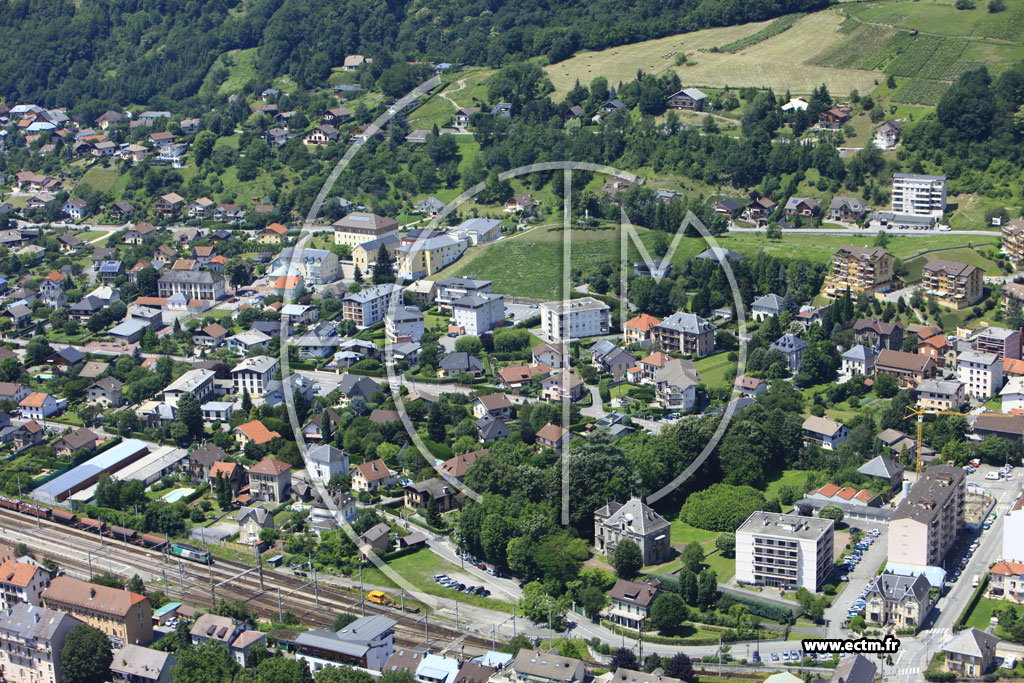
[[871, 231]]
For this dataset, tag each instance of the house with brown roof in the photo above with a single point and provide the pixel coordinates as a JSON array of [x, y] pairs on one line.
[[637, 329], [369, 476], [519, 376], [824, 432], [909, 369], [752, 386], [269, 480], [878, 334], [631, 602], [233, 472], [549, 355], [457, 466], [419, 494], [847, 495], [124, 617], [553, 436], [497, 405], [938, 348], [200, 461], [1005, 581], [833, 119], [72, 442], [105, 392], [169, 204], [139, 232], [213, 335], [562, 385]]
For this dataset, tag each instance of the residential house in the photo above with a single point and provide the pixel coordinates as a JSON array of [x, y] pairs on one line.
[[496, 405], [460, 363], [879, 334], [887, 135], [490, 428], [676, 385], [882, 467], [105, 392], [38, 406], [313, 430], [803, 207], [124, 617], [213, 335], [860, 360], [137, 664], [792, 347], [419, 494], [140, 232], [847, 209], [824, 432], [270, 479], [255, 432], [898, 601], [1013, 246], [478, 231], [200, 461], [636, 522], [767, 306], [1012, 395], [752, 386], [253, 374], [938, 348], [562, 385], [518, 376], [251, 521], [234, 473], [761, 208], [538, 666], [457, 466], [463, 115], [169, 204], [971, 653], [554, 437], [726, 207], [833, 119], [909, 369], [327, 461], [316, 266], [364, 254], [21, 583], [637, 330], [631, 602], [51, 291], [75, 441], [198, 382], [939, 394], [369, 476], [1005, 581], [609, 358], [74, 208]]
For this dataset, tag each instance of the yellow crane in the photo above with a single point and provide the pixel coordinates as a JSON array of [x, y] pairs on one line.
[[921, 412]]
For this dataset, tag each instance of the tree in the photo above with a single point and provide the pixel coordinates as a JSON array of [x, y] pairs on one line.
[[342, 620], [886, 385], [693, 557], [668, 612], [681, 667], [397, 676], [223, 491], [469, 344], [341, 674], [833, 512], [995, 6], [384, 268], [726, 543], [707, 589], [86, 655], [591, 599], [136, 585], [209, 663], [436, 423], [37, 351], [281, 670], [247, 402], [146, 281], [627, 559], [190, 414], [624, 658]]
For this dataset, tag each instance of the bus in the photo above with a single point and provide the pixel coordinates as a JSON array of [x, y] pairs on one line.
[[188, 552]]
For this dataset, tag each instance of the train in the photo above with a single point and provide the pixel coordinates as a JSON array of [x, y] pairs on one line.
[[66, 518], [188, 552]]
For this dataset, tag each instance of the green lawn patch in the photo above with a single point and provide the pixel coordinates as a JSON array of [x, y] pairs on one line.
[[419, 569], [714, 370], [980, 617], [795, 478], [681, 532], [100, 179]]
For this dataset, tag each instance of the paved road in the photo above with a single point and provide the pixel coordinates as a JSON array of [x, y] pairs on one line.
[[867, 568], [872, 231]]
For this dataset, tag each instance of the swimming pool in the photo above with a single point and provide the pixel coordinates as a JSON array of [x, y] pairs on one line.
[[177, 494]]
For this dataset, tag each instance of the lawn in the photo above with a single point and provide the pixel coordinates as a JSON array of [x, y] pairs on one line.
[[769, 63], [796, 478], [419, 569], [89, 235], [100, 179], [971, 209], [683, 533], [980, 617], [241, 66], [964, 255], [715, 369]]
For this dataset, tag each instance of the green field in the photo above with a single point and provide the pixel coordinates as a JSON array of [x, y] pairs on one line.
[[419, 569], [713, 370], [241, 67], [100, 179], [796, 478], [981, 615]]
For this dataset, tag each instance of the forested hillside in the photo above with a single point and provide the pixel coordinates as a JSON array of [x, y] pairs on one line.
[[157, 52]]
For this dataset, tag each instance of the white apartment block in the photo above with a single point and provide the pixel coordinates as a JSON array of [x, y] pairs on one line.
[[406, 324], [981, 373], [575, 318], [254, 374], [197, 382], [1013, 532], [784, 551], [919, 195], [368, 307], [479, 313]]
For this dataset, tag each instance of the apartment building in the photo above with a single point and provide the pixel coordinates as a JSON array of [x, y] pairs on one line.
[[954, 285], [919, 195], [269, 480], [859, 269], [405, 325], [31, 640], [197, 382], [1013, 239], [926, 522], [575, 318], [676, 385], [784, 551], [358, 227], [940, 394], [898, 601], [909, 369], [1001, 341], [254, 374], [192, 284], [637, 330], [453, 288], [21, 582], [479, 313], [366, 643], [686, 333], [368, 307], [1013, 531], [364, 255], [424, 258], [124, 617], [316, 266], [981, 373]]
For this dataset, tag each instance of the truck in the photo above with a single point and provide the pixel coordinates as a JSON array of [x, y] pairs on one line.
[[379, 597], [976, 580]]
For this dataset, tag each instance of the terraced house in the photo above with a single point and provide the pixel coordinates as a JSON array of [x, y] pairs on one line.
[[859, 269], [954, 285]]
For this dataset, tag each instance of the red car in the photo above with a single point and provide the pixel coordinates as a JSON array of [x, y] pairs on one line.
[[481, 566]]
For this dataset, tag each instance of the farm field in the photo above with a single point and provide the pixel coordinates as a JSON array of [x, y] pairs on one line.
[[539, 253], [767, 63]]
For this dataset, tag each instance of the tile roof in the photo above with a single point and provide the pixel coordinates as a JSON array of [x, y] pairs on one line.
[[65, 590], [269, 465]]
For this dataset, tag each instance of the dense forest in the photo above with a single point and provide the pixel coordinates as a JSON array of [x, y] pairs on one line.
[[155, 52]]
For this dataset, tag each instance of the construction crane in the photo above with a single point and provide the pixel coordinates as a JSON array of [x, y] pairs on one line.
[[921, 412]]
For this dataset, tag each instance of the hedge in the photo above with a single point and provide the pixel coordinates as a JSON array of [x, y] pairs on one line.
[[757, 607], [975, 597], [198, 493]]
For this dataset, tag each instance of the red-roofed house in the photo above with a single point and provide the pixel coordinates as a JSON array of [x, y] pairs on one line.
[[553, 436], [638, 329], [1006, 580], [518, 376], [370, 476], [38, 406], [21, 582], [233, 472], [255, 432], [270, 479], [830, 493]]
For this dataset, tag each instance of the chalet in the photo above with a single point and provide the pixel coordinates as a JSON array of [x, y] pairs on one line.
[[321, 135], [122, 210], [805, 207], [727, 207], [201, 208], [888, 134], [229, 213], [74, 208], [169, 204], [843, 208], [335, 115], [139, 233], [462, 116], [520, 203], [833, 119], [690, 99], [762, 207]]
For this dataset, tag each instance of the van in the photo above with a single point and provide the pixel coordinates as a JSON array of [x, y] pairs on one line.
[[976, 580], [992, 476]]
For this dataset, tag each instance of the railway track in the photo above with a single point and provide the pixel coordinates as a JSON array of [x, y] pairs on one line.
[[198, 584]]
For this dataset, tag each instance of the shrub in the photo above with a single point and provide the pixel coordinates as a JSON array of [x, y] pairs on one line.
[[722, 507]]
